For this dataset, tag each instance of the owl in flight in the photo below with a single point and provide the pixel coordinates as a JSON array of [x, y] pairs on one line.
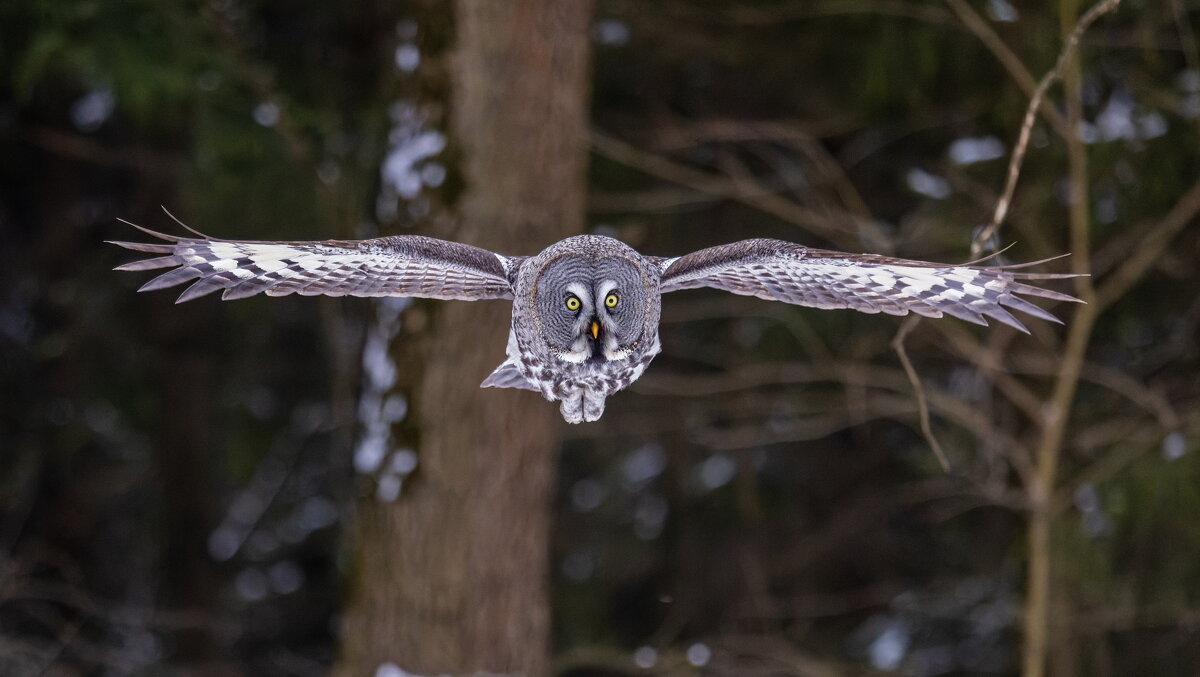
[[586, 309]]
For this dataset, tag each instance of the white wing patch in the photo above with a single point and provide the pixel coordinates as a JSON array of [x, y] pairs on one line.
[[783, 271], [405, 265]]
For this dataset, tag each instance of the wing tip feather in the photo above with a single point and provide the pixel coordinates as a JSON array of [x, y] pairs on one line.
[[153, 233]]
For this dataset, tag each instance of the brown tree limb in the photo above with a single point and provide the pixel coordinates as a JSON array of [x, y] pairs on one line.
[[1149, 248], [866, 375], [1135, 444], [998, 374], [918, 390], [684, 134], [1187, 36], [1046, 458], [807, 9], [827, 166], [1018, 156], [70, 144], [1008, 59], [1119, 383], [746, 192]]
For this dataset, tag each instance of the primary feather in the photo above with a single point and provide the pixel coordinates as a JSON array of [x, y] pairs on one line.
[[398, 265], [869, 283]]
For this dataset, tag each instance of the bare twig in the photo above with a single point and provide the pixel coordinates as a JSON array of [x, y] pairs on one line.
[[1149, 247], [1119, 456], [989, 360], [826, 164], [1120, 383], [752, 434], [860, 374], [681, 135], [918, 389], [853, 515], [727, 306], [748, 193], [1008, 59], [1018, 156], [1187, 36], [69, 144], [807, 9], [665, 199], [1049, 447]]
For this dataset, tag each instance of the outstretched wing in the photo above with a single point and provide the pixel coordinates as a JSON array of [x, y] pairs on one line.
[[783, 271], [399, 265]]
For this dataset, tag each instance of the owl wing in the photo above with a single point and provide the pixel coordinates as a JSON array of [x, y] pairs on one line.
[[399, 265], [783, 271]]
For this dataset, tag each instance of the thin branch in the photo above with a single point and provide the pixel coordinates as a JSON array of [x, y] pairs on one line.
[[918, 389], [807, 9], [1118, 382], [731, 307], [989, 359], [1018, 156], [859, 374], [1008, 59], [1187, 36], [1149, 247], [685, 134], [826, 164], [1049, 448], [748, 193], [1117, 459], [69, 144], [666, 199], [753, 434]]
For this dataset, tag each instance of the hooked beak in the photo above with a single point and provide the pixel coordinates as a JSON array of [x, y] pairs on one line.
[[595, 329]]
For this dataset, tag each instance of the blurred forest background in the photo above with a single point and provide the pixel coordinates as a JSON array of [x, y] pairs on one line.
[[296, 486]]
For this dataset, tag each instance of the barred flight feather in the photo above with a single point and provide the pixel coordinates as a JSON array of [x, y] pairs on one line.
[[398, 265], [869, 283]]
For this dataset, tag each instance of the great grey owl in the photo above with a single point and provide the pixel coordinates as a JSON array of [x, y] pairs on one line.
[[586, 309]]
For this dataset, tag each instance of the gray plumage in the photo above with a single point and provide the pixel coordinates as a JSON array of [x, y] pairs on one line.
[[586, 309]]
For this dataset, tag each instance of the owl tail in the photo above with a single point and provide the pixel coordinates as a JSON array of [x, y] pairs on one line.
[[507, 376]]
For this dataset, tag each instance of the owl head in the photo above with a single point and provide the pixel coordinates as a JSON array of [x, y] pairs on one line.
[[593, 299]]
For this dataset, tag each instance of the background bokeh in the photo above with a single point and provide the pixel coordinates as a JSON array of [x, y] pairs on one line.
[[177, 483]]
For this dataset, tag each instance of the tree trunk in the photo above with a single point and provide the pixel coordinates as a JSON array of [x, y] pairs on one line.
[[451, 577]]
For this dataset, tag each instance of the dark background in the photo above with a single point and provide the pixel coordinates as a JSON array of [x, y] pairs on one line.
[[177, 482]]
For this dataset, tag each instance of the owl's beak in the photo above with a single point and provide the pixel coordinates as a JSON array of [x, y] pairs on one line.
[[595, 329]]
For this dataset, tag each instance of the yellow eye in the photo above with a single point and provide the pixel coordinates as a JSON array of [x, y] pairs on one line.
[[573, 303], [610, 301]]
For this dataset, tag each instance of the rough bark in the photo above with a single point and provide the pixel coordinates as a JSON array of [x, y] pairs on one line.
[[452, 576]]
